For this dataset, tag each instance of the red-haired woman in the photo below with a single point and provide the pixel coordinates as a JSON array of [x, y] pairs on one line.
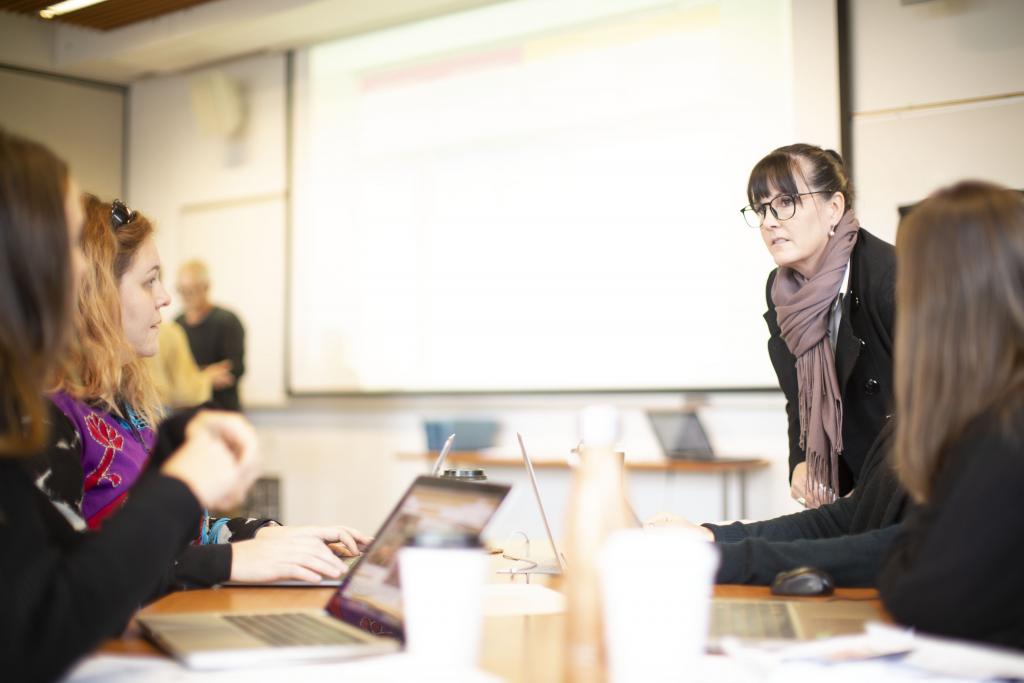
[[112, 406]]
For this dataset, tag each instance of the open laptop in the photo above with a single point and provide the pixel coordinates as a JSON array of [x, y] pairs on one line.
[[558, 566], [535, 567], [681, 435], [363, 617]]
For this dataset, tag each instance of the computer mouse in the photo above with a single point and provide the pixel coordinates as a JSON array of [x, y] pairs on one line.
[[803, 581]]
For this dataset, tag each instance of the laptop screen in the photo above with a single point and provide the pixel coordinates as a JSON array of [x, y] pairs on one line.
[[680, 434], [370, 597]]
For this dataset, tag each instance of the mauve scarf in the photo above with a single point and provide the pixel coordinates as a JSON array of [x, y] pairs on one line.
[[802, 306]]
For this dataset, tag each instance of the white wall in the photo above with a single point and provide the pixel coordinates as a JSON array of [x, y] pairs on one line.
[[91, 140], [82, 121], [937, 97], [222, 199]]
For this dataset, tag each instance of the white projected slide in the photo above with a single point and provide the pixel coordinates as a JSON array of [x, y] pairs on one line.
[[538, 196]]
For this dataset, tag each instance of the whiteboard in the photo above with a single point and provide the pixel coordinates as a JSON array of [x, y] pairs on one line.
[[540, 196]]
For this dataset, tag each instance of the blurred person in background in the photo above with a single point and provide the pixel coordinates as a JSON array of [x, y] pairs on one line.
[[214, 334], [179, 381]]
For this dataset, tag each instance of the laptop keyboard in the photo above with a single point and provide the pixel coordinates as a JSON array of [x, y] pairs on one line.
[[754, 619], [290, 630]]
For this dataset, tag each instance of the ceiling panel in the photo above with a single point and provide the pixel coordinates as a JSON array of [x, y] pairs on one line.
[[106, 15]]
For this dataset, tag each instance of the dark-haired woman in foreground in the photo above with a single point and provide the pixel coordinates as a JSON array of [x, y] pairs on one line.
[[61, 592], [830, 315], [957, 569]]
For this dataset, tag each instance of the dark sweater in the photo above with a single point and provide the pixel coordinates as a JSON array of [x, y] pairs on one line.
[[62, 593], [957, 568], [848, 538], [58, 473], [219, 336]]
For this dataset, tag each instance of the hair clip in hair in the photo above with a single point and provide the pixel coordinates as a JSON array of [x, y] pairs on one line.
[[120, 214]]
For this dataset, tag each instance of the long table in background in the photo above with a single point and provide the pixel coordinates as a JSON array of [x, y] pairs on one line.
[[725, 468]]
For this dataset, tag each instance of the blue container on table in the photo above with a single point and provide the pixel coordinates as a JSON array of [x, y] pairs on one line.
[[470, 435]]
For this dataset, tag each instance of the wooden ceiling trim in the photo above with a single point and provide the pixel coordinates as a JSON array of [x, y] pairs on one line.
[[23, 6], [106, 15]]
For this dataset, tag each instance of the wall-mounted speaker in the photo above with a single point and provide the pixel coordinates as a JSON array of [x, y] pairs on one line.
[[218, 103]]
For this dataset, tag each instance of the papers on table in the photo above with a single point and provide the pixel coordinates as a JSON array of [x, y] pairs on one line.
[[882, 653], [397, 668]]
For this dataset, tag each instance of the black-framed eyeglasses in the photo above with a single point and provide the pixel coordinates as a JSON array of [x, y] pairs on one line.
[[783, 207], [120, 214]]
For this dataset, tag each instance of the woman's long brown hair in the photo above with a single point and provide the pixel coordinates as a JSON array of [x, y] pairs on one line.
[[35, 287], [959, 322]]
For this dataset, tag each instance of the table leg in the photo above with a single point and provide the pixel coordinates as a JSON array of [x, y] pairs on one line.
[[725, 494], [743, 494]]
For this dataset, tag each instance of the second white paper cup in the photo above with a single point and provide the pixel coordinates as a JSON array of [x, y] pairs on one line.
[[656, 587]]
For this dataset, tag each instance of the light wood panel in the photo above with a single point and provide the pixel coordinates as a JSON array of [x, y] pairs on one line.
[[106, 15]]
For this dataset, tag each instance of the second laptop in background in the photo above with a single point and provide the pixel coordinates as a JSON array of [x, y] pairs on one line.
[[681, 435]]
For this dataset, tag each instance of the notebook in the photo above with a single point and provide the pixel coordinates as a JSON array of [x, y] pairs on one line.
[[681, 435], [785, 621], [363, 617]]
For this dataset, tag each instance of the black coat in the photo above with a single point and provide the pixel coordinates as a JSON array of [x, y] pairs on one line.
[[864, 348], [220, 336]]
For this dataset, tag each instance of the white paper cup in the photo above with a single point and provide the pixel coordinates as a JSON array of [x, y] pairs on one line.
[[656, 588], [442, 603]]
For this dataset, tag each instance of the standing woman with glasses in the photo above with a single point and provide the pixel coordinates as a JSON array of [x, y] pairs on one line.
[[63, 593], [111, 404], [830, 316]]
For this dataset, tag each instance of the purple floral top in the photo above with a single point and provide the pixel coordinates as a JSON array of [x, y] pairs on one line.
[[114, 454]]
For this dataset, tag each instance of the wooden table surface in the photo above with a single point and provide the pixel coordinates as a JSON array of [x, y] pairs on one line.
[[516, 648]]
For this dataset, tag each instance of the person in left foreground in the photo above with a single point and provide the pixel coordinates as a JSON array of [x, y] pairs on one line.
[[61, 592], [959, 386]]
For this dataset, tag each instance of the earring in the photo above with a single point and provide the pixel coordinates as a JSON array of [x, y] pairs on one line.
[[832, 232]]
